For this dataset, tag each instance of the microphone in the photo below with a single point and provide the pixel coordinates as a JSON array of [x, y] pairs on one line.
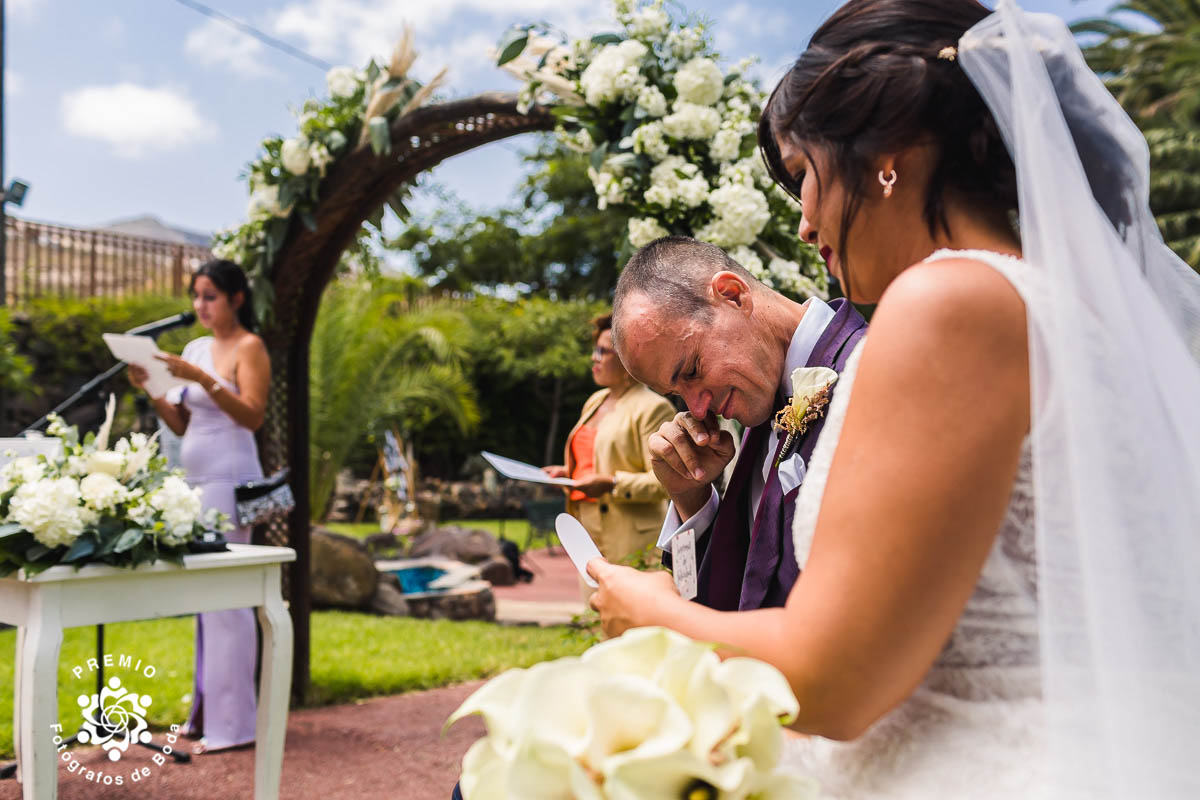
[[153, 329]]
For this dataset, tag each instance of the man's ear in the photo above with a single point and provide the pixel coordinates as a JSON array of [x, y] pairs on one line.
[[729, 287]]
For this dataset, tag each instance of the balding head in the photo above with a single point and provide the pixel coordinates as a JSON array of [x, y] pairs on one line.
[[673, 274]]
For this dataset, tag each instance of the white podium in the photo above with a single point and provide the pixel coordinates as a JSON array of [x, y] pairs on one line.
[[61, 597]]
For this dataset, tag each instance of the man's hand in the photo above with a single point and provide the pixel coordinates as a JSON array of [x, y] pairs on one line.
[[687, 455]]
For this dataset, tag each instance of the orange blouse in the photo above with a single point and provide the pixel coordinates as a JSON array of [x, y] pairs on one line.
[[583, 451]]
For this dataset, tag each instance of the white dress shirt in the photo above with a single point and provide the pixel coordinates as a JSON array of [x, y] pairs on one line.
[[791, 471]]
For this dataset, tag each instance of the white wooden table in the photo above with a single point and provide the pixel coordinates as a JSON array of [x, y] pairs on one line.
[[61, 597]]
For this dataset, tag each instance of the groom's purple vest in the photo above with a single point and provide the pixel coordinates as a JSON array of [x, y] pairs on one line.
[[742, 569]]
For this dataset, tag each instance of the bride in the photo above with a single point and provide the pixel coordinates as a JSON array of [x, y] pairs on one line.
[[999, 525]]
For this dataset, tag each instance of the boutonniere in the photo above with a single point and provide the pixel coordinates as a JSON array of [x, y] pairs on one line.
[[810, 396]]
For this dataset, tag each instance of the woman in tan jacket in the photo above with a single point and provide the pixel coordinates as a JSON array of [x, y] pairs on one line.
[[616, 496]]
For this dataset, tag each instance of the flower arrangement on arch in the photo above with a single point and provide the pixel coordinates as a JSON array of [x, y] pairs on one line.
[[650, 714], [671, 136], [92, 503], [285, 179]]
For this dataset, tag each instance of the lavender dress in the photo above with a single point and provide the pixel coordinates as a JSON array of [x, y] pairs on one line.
[[218, 454]]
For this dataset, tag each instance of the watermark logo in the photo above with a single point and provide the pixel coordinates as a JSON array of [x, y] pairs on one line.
[[114, 719]]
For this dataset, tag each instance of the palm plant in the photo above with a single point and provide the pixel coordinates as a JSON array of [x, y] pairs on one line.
[[375, 362], [1148, 52]]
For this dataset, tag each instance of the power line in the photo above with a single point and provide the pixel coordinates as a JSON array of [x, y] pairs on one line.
[[250, 30]]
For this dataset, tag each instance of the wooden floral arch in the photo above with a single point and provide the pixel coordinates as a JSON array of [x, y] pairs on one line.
[[356, 186]]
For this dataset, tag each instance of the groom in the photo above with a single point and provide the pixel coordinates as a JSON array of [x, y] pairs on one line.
[[690, 321]]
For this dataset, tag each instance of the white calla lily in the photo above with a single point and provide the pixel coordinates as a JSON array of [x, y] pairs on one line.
[[807, 381]]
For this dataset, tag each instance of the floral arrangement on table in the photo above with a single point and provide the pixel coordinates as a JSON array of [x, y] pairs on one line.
[[285, 179], [651, 714], [91, 503], [672, 137]]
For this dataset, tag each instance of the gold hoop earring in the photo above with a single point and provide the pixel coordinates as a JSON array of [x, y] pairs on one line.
[[887, 182]]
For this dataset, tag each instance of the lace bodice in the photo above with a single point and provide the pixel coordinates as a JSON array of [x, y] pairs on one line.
[[998, 627]]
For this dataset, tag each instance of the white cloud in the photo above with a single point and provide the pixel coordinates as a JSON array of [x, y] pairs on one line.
[[134, 120], [351, 31], [217, 44]]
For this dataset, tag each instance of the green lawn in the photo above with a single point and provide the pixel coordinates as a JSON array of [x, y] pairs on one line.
[[353, 656]]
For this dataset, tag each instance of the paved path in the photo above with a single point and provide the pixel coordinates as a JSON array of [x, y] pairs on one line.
[[551, 598]]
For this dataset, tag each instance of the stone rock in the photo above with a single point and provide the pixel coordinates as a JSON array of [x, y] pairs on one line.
[[473, 600], [497, 571], [388, 600], [470, 546], [343, 574]]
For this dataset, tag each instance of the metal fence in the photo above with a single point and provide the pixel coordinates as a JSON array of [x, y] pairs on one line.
[[43, 259]]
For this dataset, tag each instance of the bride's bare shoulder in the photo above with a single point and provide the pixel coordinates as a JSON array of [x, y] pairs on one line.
[[956, 297]]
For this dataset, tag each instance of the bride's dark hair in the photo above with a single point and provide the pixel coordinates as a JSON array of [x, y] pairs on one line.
[[871, 82]]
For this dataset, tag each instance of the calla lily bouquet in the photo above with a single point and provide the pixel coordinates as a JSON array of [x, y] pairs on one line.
[[649, 715], [92, 503]]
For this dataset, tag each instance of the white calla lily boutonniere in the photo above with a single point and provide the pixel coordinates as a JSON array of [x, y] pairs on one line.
[[811, 388]]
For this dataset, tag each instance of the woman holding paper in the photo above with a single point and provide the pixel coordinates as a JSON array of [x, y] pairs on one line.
[[616, 496], [217, 413]]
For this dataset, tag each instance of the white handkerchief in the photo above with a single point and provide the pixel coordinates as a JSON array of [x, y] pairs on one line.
[[791, 473]]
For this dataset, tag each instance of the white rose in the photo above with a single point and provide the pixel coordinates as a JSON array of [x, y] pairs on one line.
[[643, 231], [342, 81], [295, 156], [102, 492], [692, 121], [264, 202], [48, 509], [700, 81], [107, 462]]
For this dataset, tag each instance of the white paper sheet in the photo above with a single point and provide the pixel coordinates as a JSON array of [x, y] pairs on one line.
[[140, 350], [578, 544], [520, 471]]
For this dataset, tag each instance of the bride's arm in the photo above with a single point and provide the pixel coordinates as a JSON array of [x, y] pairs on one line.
[[916, 493]]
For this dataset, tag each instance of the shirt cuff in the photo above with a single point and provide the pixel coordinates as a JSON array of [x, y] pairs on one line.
[[698, 522]]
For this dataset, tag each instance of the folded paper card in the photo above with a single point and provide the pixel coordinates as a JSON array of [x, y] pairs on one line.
[[141, 351], [519, 470], [578, 544]]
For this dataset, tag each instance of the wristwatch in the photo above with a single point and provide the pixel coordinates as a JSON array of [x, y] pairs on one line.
[[216, 388]]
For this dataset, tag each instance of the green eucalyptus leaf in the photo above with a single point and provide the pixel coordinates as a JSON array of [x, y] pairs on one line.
[[512, 44], [607, 38], [376, 219], [9, 528], [381, 138], [308, 219], [597, 159], [128, 540], [84, 546], [36, 552]]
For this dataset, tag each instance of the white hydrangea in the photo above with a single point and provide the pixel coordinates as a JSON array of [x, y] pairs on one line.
[[748, 171], [741, 212], [102, 492], [579, 142], [180, 507], [264, 203], [49, 509], [691, 121], [700, 81], [725, 146], [107, 462], [650, 23], [141, 514], [644, 230], [295, 156], [651, 102], [610, 188], [787, 276], [685, 41], [676, 180], [614, 72], [342, 81], [750, 260], [20, 470], [649, 139]]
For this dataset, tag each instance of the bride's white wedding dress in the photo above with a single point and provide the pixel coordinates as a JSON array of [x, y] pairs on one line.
[[972, 729]]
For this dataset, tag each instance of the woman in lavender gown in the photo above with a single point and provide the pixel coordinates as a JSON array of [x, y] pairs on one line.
[[217, 414]]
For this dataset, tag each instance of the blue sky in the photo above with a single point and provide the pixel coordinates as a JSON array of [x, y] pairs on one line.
[[117, 108]]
